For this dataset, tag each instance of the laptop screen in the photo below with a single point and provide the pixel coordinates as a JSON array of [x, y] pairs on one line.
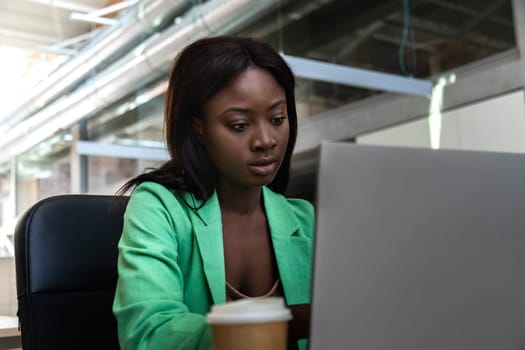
[[418, 249]]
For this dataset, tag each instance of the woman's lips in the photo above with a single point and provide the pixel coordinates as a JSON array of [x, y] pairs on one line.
[[263, 169]]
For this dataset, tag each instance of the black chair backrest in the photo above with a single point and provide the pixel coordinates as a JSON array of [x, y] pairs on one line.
[[66, 272]]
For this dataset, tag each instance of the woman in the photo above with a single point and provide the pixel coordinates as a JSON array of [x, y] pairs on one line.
[[212, 224]]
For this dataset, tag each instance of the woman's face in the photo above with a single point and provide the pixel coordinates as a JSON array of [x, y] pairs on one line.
[[245, 129]]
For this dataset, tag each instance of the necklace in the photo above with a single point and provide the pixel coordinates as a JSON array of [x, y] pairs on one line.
[[242, 295]]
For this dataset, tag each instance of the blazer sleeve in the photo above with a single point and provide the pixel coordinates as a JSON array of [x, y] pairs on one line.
[[149, 300]]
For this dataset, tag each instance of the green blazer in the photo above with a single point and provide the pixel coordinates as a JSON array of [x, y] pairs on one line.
[[171, 264]]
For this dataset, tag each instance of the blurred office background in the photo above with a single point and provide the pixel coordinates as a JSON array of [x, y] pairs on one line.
[[82, 84]]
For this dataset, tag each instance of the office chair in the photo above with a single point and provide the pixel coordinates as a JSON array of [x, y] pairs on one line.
[[66, 272]]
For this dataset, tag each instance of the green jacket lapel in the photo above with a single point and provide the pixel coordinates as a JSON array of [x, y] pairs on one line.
[[207, 224], [289, 246]]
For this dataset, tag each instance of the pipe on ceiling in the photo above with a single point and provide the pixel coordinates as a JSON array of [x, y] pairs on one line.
[[142, 65], [138, 21]]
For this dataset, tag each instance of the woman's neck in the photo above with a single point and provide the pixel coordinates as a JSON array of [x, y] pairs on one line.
[[240, 201]]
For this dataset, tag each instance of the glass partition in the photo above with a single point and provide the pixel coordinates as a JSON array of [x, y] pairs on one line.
[[133, 120], [107, 174], [43, 171], [7, 210]]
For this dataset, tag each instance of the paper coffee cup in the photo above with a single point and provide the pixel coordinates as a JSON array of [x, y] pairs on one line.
[[255, 324]]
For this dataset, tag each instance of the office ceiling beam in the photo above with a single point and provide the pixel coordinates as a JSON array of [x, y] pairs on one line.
[[364, 78], [468, 11], [65, 5], [90, 148], [98, 16], [486, 12]]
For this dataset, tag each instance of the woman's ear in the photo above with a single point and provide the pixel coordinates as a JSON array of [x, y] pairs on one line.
[[198, 129]]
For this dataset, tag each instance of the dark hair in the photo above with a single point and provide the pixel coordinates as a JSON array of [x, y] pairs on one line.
[[201, 70]]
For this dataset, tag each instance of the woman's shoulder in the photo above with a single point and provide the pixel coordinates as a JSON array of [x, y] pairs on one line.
[[151, 193], [152, 187], [300, 206], [301, 209], [304, 212]]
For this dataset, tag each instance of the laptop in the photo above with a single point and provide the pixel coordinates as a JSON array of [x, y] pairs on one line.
[[418, 249]]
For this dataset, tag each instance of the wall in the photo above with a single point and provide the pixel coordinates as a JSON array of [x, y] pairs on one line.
[[8, 303], [497, 124]]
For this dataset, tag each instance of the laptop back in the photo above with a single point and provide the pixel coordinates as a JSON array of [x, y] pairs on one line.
[[419, 249]]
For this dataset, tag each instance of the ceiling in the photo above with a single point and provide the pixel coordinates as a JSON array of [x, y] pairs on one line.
[[36, 24], [38, 35], [444, 34]]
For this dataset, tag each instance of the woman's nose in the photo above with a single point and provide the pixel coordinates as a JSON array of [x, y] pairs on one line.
[[263, 138]]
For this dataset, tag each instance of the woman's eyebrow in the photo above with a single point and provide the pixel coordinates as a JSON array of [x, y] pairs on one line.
[[248, 111], [277, 104], [237, 110]]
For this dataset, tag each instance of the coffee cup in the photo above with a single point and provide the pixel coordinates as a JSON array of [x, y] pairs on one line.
[[254, 324]]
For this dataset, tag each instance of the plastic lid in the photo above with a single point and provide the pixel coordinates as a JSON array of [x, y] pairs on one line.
[[256, 310]]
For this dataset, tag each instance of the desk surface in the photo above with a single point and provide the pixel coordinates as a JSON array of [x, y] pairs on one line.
[[9, 326]]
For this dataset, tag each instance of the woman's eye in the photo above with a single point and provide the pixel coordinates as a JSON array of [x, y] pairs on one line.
[[239, 126], [278, 120]]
